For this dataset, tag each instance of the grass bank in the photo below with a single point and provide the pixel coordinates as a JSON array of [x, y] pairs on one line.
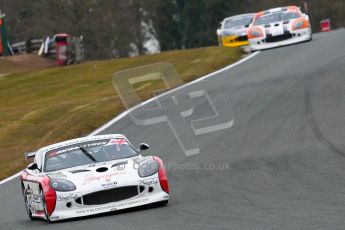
[[40, 107]]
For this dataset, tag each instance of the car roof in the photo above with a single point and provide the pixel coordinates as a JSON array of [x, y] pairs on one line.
[[239, 15]]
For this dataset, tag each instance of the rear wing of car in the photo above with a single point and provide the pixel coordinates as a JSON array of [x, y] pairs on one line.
[[29, 155]]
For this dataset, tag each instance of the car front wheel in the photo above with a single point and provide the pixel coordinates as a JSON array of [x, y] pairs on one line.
[[44, 205], [27, 203]]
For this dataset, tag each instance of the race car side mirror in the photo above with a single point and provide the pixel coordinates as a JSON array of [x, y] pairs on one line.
[[33, 166], [143, 146]]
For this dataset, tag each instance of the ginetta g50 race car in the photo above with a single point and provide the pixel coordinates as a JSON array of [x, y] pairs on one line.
[[233, 31], [279, 27], [91, 175]]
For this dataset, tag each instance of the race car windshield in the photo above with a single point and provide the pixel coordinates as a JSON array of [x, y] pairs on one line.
[[238, 21], [87, 153], [276, 17]]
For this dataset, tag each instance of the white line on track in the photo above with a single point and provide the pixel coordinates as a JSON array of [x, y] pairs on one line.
[[123, 114], [9, 178]]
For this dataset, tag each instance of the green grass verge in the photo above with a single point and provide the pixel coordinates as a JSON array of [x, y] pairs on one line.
[[43, 107]]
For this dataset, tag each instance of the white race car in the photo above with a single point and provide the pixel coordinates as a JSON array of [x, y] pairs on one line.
[[91, 175], [279, 27], [233, 31]]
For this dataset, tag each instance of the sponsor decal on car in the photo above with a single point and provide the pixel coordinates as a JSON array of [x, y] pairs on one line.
[[105, 177], [68, 196], [109, 185], [94, 144], [35, 204], [112, 207], [36, 198], [90, 138], [54, 218], [84, 145]]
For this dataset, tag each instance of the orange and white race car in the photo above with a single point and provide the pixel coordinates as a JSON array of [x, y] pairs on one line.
[[233, 31], [279, 27]]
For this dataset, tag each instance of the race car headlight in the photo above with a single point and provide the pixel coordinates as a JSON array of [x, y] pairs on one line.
[[62, 185], [148, 168], [300, 24]]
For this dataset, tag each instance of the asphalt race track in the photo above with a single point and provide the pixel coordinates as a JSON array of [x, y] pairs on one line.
[[283, 158]]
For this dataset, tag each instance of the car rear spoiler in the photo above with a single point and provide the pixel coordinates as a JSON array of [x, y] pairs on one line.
[[28, 155]]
